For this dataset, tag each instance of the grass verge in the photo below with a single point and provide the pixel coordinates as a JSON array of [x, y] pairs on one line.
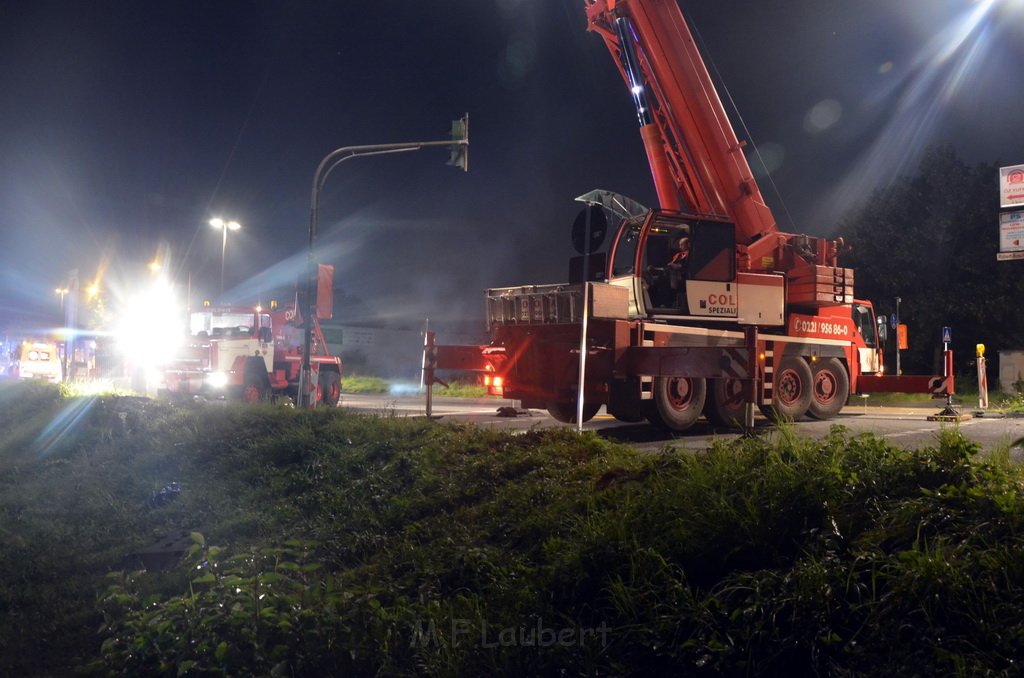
[[354, 383], [461, 389], [323, 543], [455, 389]]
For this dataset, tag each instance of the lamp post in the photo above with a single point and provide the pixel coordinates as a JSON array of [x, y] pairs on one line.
[[61, 292], [224, 227]]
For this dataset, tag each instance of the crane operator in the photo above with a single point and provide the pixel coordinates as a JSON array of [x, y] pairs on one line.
[[677, 272]]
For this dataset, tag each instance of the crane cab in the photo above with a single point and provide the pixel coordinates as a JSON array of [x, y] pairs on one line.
[[666, 284]]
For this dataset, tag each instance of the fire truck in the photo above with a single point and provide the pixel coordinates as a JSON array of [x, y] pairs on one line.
[[253, 354], [752, 316]]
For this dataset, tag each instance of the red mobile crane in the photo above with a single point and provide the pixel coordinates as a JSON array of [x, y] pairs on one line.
[[755, 316]]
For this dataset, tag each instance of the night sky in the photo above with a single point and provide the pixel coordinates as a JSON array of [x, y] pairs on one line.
[[126, 126]]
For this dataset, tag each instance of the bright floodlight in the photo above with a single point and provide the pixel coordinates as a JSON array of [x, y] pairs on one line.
[[149, 325], [219, 223]]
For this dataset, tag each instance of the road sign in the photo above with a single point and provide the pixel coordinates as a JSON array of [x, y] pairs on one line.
[[1011, 232], [892, 321], [1011, 186], [947, 335]]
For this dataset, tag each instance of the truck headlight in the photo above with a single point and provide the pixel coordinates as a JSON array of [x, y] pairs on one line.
[[217, 379]]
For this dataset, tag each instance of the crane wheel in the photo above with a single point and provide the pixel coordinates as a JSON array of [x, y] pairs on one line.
[[254, 388], [830, 388], [791, 392], [725, 404], [677, 403], [330, 388]]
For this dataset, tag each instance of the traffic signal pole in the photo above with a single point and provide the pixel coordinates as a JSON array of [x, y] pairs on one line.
[[897, 328], [458, 144]]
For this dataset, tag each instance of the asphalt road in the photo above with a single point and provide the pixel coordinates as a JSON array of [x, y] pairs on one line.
[[906, 426]]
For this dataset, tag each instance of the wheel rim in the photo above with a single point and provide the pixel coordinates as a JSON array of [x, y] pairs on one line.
[[680, 394], [251, 393], [825, 386], [789, 387], [732, 393]]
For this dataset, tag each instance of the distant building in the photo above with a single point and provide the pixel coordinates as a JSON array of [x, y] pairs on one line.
[[1011, 371]]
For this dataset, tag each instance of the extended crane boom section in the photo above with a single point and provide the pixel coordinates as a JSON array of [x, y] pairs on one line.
[[690, 142]]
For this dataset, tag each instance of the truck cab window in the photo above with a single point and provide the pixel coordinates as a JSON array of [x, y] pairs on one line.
[[664, 277], [713, 255], [660, 246], [625, 250], [862, 318]]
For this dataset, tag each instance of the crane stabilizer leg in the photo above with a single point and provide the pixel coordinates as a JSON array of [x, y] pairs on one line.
[[949, 412], [750, 384]]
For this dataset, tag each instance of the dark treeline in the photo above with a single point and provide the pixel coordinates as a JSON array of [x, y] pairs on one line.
[[932, 239]]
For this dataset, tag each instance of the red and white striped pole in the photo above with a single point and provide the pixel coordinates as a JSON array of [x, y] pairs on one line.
[[982, 379]]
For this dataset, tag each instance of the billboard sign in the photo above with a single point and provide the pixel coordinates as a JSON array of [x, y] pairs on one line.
[[1011, 186], [1011, 232]]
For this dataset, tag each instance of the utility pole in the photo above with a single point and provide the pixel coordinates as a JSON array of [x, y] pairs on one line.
[[898, 372]]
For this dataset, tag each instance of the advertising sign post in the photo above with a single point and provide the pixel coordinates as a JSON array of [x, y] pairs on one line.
[[1011, 186]]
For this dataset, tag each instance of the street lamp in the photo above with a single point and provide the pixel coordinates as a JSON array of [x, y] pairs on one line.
[[224, 226], [61, 292]]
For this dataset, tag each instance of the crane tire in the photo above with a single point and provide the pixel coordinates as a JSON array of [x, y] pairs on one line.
[[677, 403], [330, 388], [254, 388], [830, 388], [791, 389], [725, 404]]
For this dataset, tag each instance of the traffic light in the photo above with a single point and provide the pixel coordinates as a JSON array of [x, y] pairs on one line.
[[459, 149]]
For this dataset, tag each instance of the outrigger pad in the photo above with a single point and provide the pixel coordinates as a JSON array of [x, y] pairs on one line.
[[949, 413]]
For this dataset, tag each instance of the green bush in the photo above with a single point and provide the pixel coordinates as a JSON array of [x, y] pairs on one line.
[[331, 544]]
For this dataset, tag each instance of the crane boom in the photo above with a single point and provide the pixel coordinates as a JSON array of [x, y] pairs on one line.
[[696, 159]]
